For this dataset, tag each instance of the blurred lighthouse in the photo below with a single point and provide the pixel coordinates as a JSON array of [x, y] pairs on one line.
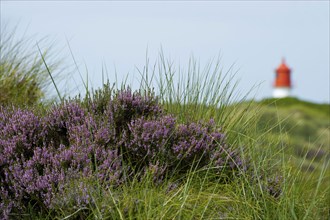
[[282, 84]]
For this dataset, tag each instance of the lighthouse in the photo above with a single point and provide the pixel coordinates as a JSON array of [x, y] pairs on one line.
[[282, 84]]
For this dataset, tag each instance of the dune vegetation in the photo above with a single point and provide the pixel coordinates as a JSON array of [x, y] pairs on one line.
[[184, 145]]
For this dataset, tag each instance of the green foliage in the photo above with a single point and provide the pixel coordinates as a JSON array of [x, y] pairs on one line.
[[24, 79]]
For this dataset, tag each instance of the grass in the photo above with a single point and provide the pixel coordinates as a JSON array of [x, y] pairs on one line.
[[24, 80], [307, 126], [266, 133]]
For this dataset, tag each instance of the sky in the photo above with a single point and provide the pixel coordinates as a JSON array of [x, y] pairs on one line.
[[253, 36]]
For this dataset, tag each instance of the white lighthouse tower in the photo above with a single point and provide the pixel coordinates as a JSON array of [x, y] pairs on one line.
[[282, 84]]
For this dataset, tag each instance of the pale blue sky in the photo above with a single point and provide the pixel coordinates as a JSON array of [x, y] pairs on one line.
[[254, 35]]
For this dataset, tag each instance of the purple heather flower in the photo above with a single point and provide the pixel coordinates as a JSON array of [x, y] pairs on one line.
[[41, 155]]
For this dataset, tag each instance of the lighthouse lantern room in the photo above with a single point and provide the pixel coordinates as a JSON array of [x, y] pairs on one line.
[[282, 84]]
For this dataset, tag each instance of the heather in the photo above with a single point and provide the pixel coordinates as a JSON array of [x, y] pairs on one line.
[[111, 141]]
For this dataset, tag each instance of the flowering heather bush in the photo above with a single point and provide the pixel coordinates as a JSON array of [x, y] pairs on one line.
[[123, 105], [38, 156], [226, 157], [128, 106], [272, 183], [196, 141], [274, 186], [159, 142], [20, 132], [146, 139], [41, 155]]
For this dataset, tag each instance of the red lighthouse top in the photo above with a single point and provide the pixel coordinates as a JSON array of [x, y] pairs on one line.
[[283, 75]]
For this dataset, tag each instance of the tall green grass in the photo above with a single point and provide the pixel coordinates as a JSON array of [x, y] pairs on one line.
[[24, 80]]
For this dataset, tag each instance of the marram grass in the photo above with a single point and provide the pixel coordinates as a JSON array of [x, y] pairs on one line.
[[24, 80]]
